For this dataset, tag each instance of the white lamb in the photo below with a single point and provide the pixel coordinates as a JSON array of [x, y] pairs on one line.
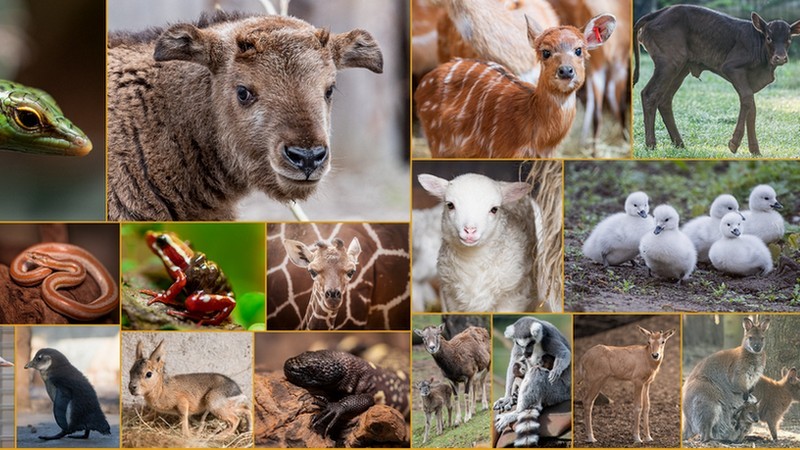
[[426, 238], [615, 239], [704, 230], [488, 233], [739, 253], [762, 220], [667, 252]]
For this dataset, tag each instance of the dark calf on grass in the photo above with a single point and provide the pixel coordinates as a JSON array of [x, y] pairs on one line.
[[685, 39]]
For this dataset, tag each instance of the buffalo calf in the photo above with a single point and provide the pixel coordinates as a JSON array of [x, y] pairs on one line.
[[685, 39]]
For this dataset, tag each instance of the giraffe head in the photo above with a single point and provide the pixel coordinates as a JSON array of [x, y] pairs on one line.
[[330, 265]]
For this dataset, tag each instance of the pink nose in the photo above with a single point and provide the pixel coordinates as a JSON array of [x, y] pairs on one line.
[[470, 230]]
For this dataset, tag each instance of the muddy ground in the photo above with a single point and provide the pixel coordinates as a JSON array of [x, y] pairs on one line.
[[596, 190], [613, 423]]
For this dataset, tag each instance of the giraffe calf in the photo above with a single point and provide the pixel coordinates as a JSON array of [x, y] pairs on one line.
[[331, 266]]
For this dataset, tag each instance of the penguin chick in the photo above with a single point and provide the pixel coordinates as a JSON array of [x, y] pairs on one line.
[[615, 239], [738, 253], [75, 404], [667, 252], [704, 230], [762, 220]]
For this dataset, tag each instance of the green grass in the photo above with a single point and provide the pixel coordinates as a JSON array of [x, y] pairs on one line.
[[465, 435], [706, 112]]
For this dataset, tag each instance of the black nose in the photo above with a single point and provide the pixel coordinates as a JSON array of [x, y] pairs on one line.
[[566, 72], [306, 159], [333, 293]]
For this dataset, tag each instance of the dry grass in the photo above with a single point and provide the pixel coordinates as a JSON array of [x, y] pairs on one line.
[[165, 432]]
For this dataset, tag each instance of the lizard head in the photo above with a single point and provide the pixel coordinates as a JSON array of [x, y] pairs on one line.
[[318, 369]]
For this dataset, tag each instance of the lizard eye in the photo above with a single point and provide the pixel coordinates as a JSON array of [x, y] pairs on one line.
[[27, 118]]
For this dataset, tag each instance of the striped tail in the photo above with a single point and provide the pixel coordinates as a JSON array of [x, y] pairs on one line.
[[527, 428]]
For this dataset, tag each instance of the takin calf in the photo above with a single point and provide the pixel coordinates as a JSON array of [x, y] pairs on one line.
[[201, 114], [685, 39]]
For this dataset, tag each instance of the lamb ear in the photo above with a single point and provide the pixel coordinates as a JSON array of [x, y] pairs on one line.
[[356, 48], [758, 23], [599, 30], [514, 191], [186, 42], [434, 185], [298, 253]]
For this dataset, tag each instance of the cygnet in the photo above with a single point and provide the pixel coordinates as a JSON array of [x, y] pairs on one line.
[[762, 220], [738, 253], [667, 252], [615, 239], [704, 230]]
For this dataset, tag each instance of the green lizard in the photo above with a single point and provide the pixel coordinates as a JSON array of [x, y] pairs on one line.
[[32, 122]]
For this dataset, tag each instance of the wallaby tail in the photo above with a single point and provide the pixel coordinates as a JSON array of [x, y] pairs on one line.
[[527, 428]]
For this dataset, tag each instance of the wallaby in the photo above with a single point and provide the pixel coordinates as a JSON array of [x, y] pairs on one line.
[[744, 418], [187, 394], [715, 388], [775, 397]]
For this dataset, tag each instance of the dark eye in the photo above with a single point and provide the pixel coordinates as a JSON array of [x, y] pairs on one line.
[[148, 374], [769, 39], [350, 273], [313, 273], [666, 220], [578, 52], [546, 54], [244, 95], [27, 118], [329, 92], [161, 240], [766, 198], [635, 205], [450, 205], [493, 210]]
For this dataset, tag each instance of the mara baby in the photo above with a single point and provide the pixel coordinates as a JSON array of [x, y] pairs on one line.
[[201, 114]]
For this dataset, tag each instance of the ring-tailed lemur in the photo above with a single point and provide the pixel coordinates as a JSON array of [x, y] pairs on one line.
[[543, 354]]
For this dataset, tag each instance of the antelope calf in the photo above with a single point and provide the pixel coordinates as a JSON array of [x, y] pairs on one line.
[[638, 364], [476, 109]]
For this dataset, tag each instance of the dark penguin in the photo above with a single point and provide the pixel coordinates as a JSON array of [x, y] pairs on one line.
[[75, 404]]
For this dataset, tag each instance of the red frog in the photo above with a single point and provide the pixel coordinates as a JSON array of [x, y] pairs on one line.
[[209, 296]]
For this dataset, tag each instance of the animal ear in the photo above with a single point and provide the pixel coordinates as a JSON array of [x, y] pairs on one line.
[[795, 28], [434, 185], [669, 333], [747, 323], [759, 23], [441, 328], [514, 191], [509, 333], [139, 350], [534, 29], [298, 253], [644, 331], [764, 325], [186, 42], [356, 48], [418, 332], [158, 353], [537, 330], [354, 249], [599, 30]]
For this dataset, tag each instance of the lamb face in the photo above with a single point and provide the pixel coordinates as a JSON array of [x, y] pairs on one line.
[[473, 205]]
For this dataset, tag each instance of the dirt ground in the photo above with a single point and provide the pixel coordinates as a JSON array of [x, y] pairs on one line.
[[759, 437], [589, 287], [612, 423]]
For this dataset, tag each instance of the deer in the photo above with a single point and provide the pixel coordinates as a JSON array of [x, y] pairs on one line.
[[332, 267], [638, 364], [477, 109]]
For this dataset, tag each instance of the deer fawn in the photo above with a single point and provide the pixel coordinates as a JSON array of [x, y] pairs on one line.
[[717, 384], [638, 364], [474, 109]]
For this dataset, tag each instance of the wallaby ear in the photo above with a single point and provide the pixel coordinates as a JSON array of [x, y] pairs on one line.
[[139, 350], [356, 48], [747, 323], [158, 353], [598, 30], [509, 333], [759, 23], [669, 333], [434, 185], [534, 29], [354, 249], [764, 325], [514, 191], [299, 254], [186, 42]]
